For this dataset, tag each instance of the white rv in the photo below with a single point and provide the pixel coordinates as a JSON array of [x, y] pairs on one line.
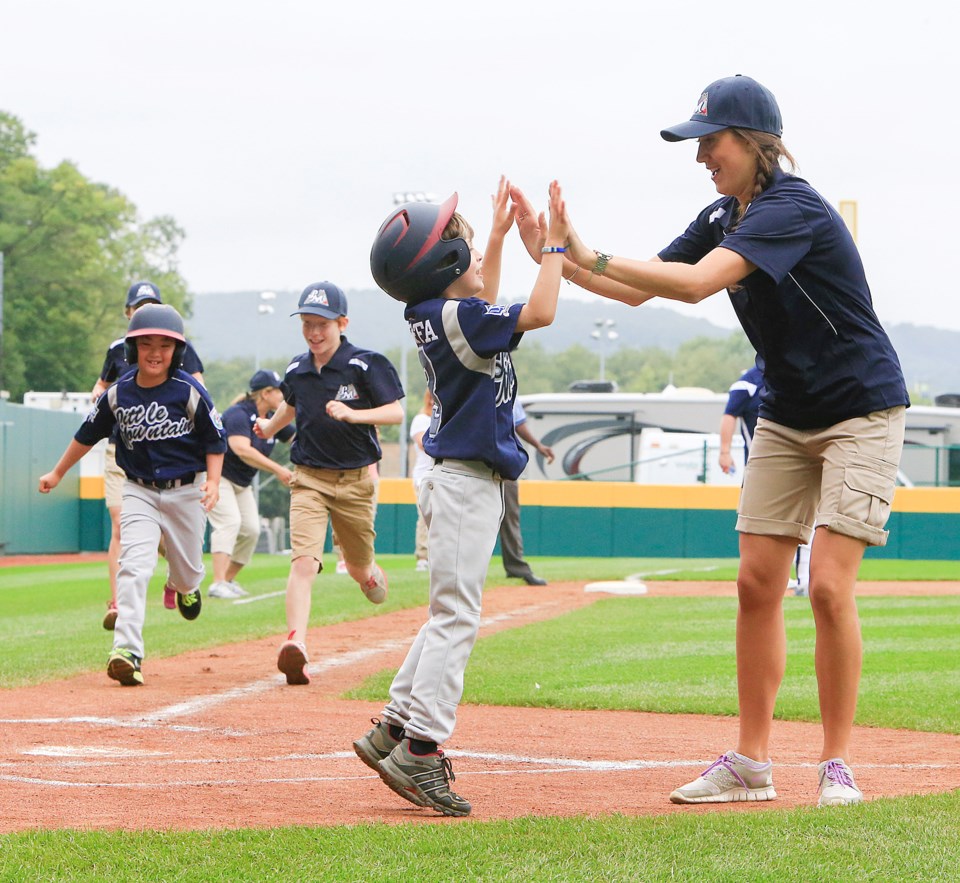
[[670, 437]]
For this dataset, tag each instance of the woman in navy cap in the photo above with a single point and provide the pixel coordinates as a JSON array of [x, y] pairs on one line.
[[827, 445], [235, 519]]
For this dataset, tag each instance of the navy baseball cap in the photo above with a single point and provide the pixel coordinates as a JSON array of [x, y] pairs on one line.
[[264, 379], [140, 292], [733, 101], [322, 299]]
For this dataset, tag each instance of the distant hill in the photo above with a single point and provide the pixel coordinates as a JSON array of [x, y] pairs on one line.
[[229, 325]]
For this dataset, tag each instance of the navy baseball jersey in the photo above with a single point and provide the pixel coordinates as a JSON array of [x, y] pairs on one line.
[[239, 419], [807, 309], [743, 401], [164, 432], [464, 347], [115, 364], [362, 379]]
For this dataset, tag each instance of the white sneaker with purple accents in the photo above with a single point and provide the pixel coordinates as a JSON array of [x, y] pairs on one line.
[[728, 780], [837, 787]]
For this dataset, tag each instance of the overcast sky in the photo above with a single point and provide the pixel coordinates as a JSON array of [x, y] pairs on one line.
[[277, 133]]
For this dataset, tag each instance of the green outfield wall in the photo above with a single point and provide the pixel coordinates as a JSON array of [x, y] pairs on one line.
[[576, 518]]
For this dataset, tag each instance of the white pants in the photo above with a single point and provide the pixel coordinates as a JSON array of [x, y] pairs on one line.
[[462, 504], [145, 516], [235, 522]]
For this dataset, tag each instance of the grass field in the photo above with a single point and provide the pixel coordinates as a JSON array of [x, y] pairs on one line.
[[656, 653]]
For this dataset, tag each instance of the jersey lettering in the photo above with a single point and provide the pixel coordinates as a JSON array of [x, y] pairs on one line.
[[347, 393], [150, 423], [423, 331]]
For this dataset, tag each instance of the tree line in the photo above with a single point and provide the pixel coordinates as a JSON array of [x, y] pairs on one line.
[[71, 247]]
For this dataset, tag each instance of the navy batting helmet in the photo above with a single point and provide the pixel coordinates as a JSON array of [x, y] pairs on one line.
[[409, 260], [159, 319], [143, 292]]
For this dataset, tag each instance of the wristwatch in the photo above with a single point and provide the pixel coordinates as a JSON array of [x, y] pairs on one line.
[[601, 264]]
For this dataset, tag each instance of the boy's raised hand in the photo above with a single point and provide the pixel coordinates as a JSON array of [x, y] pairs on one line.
[[503, 210], [531, 226]]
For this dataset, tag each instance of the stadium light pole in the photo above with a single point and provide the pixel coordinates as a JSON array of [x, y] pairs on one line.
[[603, 332], [264, 308]]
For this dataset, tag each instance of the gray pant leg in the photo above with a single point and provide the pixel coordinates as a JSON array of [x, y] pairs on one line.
[[183, 521], [463, 513], [511, 540], [139, 538]]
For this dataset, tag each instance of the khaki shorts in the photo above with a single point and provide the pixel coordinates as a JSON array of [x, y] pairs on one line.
[[347, 497], [113, 479], [841, 477]]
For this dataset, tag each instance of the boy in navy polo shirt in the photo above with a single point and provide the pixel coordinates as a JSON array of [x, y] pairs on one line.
[[169, 435], [424, 256], [339, 394]]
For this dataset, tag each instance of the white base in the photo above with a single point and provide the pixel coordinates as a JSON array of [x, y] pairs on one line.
[[617, 587]]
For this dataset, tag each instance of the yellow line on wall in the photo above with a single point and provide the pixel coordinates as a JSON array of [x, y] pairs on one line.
[[625, 495]]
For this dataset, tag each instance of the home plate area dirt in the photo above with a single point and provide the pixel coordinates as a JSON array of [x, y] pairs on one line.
[[216, 739]]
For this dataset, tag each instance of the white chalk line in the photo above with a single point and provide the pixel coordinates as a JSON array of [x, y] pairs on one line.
[[541, 766], [162, 717]]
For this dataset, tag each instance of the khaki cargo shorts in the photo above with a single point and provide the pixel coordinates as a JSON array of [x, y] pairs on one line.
[[841, 477], [113, 479], [347, 497]]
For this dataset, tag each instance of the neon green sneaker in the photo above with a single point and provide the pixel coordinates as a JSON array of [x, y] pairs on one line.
[[124, 667]]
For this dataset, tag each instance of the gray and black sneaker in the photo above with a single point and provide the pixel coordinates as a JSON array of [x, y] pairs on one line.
[[423, 779], [189, 604], [123, 666], [375, 745]]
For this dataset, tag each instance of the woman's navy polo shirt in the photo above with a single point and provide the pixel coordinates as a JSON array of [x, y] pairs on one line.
[[807, 308], [238, 419], [360, 378]]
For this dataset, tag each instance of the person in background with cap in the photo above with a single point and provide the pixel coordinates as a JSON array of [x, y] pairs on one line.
[[828, 441], [114, 365], [339, 393], [235, 519]]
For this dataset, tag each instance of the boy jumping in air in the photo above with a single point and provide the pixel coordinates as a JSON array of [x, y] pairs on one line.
[[424, 256]]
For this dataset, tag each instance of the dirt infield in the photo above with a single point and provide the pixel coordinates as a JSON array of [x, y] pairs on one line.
[[217, 740]]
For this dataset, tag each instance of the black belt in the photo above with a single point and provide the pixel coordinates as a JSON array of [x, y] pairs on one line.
[[165, 484]]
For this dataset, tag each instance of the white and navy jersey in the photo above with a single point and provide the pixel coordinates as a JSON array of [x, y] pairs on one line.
[[743, 401], [807, 309], [360, 378], [164, 432], [115, 364], [238, 419], [464, 347]]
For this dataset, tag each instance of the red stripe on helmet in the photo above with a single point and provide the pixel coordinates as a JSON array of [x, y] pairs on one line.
[[444, 212]]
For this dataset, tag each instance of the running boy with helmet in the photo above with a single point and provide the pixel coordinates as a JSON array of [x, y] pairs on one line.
[[424, 257], [169, 435], [339, 394], [114, 365]]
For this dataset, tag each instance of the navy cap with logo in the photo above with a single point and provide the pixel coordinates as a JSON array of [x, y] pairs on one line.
[[322, 299], [739, 102], [264, 379], [143, 292]]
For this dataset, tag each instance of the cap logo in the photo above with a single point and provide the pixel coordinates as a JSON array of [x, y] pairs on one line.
[[702, 106], [317, 296], [145, 291]]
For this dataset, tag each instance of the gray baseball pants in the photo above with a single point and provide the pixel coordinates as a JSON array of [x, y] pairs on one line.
[[146, 515], [462, 504]]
